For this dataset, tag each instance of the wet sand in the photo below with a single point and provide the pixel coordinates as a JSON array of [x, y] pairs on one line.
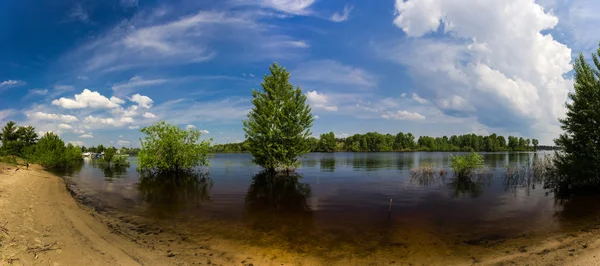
[[50, 223]]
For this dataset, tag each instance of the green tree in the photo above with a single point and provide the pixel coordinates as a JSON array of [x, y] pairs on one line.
[[578, 165], [9, 132], [168, 149], [100, 148], [535, 144], [50, 152], [109, 154], [278, 127], [327, 142]]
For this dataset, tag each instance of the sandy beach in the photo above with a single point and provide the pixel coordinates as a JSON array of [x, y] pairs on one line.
[[41, 223]]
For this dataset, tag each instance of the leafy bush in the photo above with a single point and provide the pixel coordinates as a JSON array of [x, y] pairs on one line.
[[109, 154], [465, 165], [50, 152], [120, 161], [168, 148]]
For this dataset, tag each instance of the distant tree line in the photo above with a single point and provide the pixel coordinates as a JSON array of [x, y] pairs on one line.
[[100, 148], [376, 142]]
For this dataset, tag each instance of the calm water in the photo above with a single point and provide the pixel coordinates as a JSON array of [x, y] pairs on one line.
[[345, 198]]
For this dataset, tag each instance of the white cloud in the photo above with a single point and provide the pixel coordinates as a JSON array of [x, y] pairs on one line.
[[87, 98], [83, 78], [127, 120], [333, 72], [190, 126], [92, 120], [319, 101], [316, 117], [123, 142], [134, 127], [135, 82], [37, 92], [87, 136], [286, 44], [149, 115], [78, 12], [343, 16], [403, 95], [142, 101], [418, 99], [120, 136], [64, 126], [78, 131], [296, 7], [341, 135], [204, 131], [496, 61], [11, 83], [403, 115], [52, 117]]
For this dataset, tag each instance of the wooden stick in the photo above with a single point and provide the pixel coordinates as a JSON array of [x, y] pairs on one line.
[[390, 205]]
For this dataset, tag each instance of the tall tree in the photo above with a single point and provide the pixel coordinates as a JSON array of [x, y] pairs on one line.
[[579, 163], [535, 144], [278, 127], [9, 132], [327, 142]]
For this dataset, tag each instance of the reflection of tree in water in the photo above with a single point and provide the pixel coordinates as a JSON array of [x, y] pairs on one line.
[[110, 171], [327, 164], [175, 192], [578, 212], [277, 203], [472, 186]]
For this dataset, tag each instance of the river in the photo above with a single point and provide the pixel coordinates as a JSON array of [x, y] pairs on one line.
[[355, 203]]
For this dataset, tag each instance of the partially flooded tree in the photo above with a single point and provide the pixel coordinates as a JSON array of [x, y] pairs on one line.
[[578, 165], [278, 127], [168, 149]]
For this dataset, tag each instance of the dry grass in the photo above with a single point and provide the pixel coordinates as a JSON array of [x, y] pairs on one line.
[[427, 174]]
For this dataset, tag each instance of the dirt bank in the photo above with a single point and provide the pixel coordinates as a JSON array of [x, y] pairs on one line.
[[42, 224]]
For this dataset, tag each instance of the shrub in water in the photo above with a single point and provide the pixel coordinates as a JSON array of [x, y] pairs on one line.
[[465, 165]]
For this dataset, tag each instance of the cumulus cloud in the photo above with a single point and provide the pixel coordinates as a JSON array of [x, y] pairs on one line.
[[134, 127], [142, 101], [499, 65], [64, 126], [52, 117], [123, 142], [78, 131], [418, 99], [343, 16], [403, 115], [87, 136], [92, 120], [190, 126], [149, 115], [204, 131], [319, 101], [88, 99]]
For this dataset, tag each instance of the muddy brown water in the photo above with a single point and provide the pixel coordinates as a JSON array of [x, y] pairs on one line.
[[339, 205]]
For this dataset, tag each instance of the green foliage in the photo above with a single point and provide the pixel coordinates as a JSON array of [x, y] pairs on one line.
[[170, 149], [50, 152], [120, 161], [17, 140], [278, 127], [578, 166], [327, 142], [109, 154], [465, 165]]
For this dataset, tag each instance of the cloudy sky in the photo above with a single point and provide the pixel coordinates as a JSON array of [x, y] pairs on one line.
[[97, 71]]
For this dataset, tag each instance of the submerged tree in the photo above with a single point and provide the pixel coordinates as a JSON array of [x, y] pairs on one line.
[[168, 149], [278, 127], [578, 165]]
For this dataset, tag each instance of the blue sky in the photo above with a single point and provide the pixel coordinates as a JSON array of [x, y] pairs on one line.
[[96, 71]]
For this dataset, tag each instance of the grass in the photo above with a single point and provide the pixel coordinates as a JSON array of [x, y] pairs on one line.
[[466, 165], [427, 174]]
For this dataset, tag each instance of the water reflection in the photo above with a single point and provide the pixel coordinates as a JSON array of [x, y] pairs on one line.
[[471, 186], [328, 164], [279, 202], [174, 193], [110, 171]]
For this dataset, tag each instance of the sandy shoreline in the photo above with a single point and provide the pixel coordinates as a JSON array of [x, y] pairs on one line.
[[47, 226]]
